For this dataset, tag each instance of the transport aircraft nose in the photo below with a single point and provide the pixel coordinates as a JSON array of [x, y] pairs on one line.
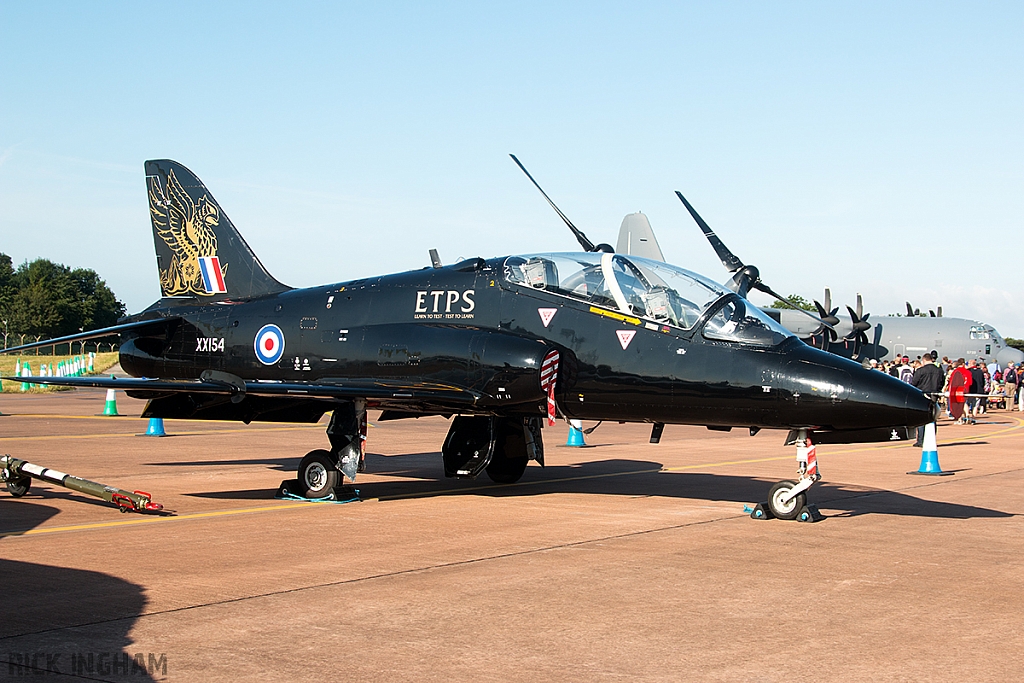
[[1009, 355]]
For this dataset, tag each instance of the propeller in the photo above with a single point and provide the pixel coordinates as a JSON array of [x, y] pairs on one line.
[[860, 326], [874, 344], [580, 237], [827, 315], [745, 277]]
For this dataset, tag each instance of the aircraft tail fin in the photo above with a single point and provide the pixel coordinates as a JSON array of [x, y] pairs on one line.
[[636, 237], [199, 251]]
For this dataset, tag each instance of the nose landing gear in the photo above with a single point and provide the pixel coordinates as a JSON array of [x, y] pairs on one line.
[[788, 499]]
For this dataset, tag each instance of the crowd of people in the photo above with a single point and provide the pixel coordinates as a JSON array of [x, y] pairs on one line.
[[987, 385]]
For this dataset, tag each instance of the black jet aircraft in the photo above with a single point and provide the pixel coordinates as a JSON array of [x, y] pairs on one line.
[[499, 345]]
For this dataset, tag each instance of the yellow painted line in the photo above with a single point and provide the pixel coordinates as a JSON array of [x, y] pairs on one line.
[[997, 434], [66, 417], [107, 418], [57, 437], [155, 520]]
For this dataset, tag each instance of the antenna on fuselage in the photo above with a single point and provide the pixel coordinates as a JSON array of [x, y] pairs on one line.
[[580, 237], [745, 278]]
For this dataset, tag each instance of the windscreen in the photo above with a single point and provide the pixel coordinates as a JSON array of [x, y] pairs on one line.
[[740, 321]]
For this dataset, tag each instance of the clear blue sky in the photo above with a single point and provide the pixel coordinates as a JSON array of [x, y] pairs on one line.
[[870, 147]]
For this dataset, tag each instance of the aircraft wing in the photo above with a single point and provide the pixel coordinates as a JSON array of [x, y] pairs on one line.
[[92, 334], [384, 390]]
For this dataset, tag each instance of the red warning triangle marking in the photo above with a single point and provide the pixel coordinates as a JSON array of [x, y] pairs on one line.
[[625, 336], [546, 314]]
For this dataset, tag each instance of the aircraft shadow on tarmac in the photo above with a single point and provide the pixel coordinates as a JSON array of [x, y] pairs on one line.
[[282, 464], [627, 478], [57, 620]]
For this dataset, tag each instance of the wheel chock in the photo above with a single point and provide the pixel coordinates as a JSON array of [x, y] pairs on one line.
[[809, 513], [291, 490]]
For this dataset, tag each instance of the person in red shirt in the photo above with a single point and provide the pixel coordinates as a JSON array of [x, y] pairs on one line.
[[959, 384]]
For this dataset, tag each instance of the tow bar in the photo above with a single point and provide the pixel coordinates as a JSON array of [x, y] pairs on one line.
[[18, 475]]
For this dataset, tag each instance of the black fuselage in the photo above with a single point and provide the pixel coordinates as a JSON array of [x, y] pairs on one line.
[[467, 327]]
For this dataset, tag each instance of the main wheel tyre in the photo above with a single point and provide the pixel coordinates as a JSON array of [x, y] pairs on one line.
[[19, 487], [785, 510], [318, 474], [507, 470]]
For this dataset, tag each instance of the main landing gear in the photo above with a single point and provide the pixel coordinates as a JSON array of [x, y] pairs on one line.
[[321, 471], [499, 446], [788, 499]]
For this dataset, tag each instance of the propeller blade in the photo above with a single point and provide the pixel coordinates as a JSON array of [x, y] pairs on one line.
[[745, 277], [859, 325], [580, 237], [828, 317], [878, 340], [828, 300], [758, 285], [860, 306], [729, 259]]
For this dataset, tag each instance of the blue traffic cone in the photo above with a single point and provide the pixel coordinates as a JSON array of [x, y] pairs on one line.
[[575, 434], [930, 454], [156, 427]]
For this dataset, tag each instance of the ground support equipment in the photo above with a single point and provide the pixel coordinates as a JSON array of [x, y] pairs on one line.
[[18, 475]]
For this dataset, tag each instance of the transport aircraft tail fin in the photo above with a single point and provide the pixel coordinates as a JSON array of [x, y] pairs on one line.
[[199, 252], [636, 237]]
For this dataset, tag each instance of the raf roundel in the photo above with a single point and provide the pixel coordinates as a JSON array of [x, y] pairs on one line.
[[269, 344]]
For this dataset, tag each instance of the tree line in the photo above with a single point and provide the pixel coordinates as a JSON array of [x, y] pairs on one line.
[[43, 299]]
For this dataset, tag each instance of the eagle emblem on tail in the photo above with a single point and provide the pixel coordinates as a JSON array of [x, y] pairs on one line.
[[187, 228]]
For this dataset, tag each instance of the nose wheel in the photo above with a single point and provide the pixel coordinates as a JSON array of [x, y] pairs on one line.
[[788, 499], [783, 503]]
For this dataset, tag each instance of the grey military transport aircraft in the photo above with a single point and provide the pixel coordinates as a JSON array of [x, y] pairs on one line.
[[501, 346], [885, 338]]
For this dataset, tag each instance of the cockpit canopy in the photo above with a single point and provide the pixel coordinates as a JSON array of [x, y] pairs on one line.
[[647, 289]]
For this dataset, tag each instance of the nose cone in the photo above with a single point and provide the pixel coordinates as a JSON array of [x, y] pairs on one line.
[[884, 401], [839, 394]]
